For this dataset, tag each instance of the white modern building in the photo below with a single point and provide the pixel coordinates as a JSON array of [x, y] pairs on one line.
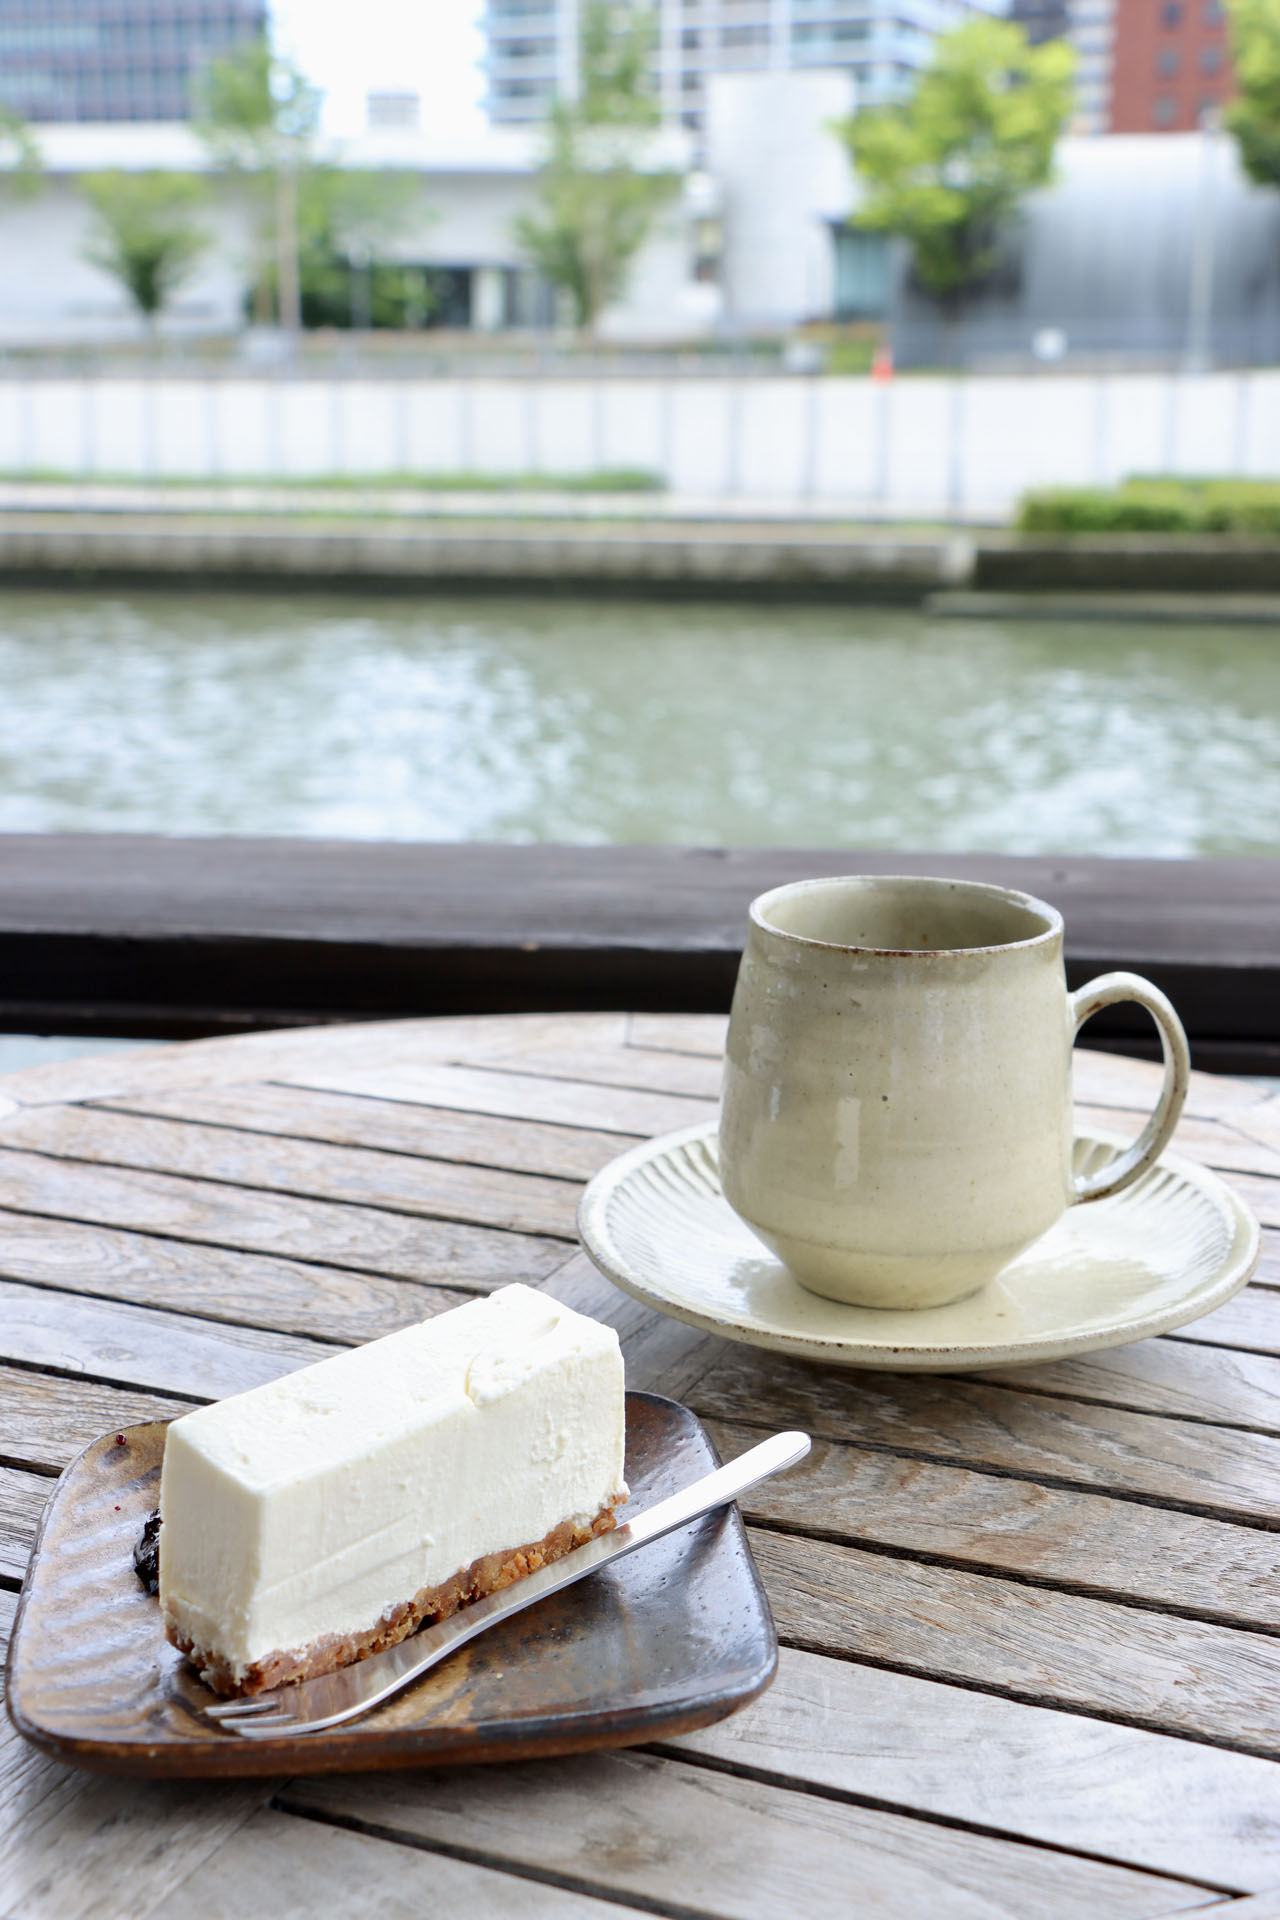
[[1108, 261], [531, 47], [749, 242]]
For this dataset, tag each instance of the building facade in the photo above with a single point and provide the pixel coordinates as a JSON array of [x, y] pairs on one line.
[[1171, 65], [531, 47], [103, 60]]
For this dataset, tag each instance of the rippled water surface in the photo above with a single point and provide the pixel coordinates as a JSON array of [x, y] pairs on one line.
[[538, 720]]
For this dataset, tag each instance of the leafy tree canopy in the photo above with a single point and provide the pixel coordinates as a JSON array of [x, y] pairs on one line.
[[598, 202], [257, 112], [146, 232], [946, 168], [1254, 116], [348, 218]]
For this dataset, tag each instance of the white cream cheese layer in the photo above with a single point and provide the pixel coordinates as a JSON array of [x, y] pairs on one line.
[[317, 1503]]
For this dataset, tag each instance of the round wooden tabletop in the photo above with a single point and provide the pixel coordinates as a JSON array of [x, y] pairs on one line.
[[1029, 1620]]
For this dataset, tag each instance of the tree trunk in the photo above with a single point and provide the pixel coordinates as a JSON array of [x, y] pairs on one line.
[[287, 288]]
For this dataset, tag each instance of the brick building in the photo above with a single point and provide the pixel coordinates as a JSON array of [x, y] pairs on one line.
[[1170, 64]]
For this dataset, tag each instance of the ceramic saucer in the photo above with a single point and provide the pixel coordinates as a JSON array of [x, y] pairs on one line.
[[1171, 1247]]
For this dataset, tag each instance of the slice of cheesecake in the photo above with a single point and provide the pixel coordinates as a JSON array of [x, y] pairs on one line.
[[325, 1516]]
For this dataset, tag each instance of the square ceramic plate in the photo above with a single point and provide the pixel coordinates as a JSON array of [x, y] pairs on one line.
[[662, 1641]]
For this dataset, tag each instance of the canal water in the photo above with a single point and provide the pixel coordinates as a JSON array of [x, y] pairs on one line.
[[512, 719]]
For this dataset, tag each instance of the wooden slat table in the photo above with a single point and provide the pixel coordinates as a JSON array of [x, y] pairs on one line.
[[1030, 1620]]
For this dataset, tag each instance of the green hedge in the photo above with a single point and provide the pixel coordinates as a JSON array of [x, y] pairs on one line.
[[1156, 505]]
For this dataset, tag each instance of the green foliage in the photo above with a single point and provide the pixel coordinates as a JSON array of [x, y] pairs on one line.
[[258, 116], [146, 232], [256, 112], [343, 219], [598, 204], [1157, 505], [19, 155], [947, 168], [1254, 116]]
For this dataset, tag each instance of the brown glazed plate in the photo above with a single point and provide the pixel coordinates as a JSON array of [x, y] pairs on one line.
[[659, 1642]]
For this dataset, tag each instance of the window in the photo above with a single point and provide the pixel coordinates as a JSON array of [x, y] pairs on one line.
[[1213, 13], [1210, 59], [690, 41], [1167, 62], [1164, 111], [862, 274], [1171, 13]]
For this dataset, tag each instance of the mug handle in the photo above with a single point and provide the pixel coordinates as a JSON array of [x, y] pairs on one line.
[[1126, 1167]]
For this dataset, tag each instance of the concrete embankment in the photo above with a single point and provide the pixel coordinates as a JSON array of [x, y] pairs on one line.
[[800, 563], [955, 573]]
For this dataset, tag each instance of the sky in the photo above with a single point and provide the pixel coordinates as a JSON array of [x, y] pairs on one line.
[[351, 47]]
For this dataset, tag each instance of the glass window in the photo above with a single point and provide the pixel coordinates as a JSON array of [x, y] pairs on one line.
[[1163, 111], [1210, 59], [862, 274], [1167, 62], [1171, 13]]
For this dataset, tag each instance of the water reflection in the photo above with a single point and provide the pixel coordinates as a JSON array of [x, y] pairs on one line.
[[515, 720]]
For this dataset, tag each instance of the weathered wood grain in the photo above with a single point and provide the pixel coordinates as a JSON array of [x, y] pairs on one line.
[[284, 1296], [1214, 1143], [1216, 1470], [137, 1347], [1114, 1080], [513, 1096], [324, 1871], [1262, 1195], [1181, 1378], [74, 1845], [225, 1061], [45, 1420], [1122, 1662], [438, 1252], [1115, 1792], [1250, 1321], [477, 1139], [639, 1069], [1081, 1541], [699, 1842], [354, 1176], [22, 1498], [1050, 1570], [703, 1033]]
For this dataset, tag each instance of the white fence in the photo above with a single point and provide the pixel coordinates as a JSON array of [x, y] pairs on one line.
[[913, 447]]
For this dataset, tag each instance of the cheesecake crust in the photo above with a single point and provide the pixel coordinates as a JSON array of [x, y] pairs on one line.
[[488, 1574]]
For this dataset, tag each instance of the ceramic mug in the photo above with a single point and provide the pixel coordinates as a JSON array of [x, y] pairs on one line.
[[897, 1121]]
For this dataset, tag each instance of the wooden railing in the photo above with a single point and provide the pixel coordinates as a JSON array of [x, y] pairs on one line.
[[115, 934]]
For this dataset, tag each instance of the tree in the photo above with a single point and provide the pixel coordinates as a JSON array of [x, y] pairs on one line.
[[145, 233], [599, 202], [345, 219], [947, 168], [1254, 116], [19, 154], [258, 117]]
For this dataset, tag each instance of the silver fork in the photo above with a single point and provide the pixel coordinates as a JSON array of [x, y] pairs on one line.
[[312, 1705]]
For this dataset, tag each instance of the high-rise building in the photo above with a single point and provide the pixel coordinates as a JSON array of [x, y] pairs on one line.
[[1171, 65], [1092, 34], [1042, 20], [115, 59], [532, 46]]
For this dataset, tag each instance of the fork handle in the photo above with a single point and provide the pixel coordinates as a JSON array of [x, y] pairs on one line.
[[312, 1705]]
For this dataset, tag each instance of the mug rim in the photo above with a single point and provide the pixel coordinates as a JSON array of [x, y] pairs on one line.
[[926, 882]]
